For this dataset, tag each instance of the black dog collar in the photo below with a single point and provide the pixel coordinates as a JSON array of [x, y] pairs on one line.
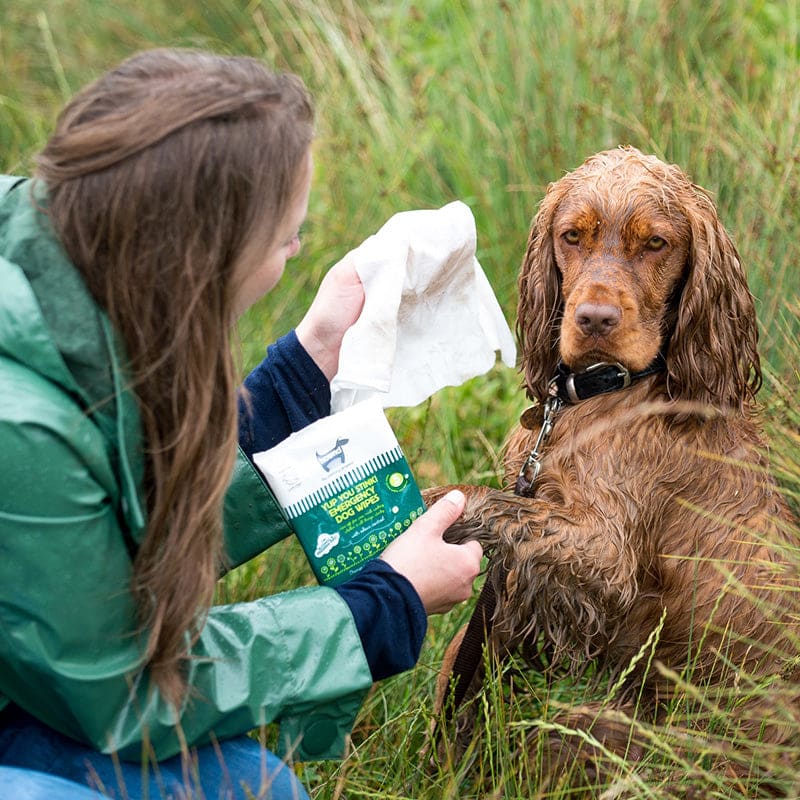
[[572, 387], [567, 388]]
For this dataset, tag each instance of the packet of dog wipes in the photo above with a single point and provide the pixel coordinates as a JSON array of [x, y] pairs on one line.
[[345, 488]]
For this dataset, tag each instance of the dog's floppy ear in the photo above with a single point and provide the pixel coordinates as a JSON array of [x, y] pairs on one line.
[[712, 355], [539, 307]]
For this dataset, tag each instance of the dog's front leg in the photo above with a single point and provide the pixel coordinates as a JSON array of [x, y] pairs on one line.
[[476, 522], [570, 571]]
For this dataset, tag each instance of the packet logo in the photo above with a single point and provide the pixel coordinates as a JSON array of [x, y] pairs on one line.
[[333, 457], [325, 543]]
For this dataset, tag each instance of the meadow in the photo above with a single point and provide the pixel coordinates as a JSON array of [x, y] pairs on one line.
[[485, 101]]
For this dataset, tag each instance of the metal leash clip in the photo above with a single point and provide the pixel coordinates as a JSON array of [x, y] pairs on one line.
[[533, 464]]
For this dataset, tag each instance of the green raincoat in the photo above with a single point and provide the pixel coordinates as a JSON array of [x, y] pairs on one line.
[[71, 516]]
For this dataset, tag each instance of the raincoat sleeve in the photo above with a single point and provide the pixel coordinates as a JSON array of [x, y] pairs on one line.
[[284, 393], [253, 519], [69, 650]]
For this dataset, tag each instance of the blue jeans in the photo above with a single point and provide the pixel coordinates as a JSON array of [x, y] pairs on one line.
[[27, 784], [233, 769]]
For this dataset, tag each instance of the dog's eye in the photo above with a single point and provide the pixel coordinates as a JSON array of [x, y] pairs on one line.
[[656, 243], [571, 236]]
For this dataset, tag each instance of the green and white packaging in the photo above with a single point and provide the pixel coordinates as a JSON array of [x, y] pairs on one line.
[[345, 488]]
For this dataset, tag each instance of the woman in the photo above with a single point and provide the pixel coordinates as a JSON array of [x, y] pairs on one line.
[[168, 200]]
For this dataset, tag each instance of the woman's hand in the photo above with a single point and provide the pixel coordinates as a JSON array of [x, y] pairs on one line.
[[441, 573], [335, 308]]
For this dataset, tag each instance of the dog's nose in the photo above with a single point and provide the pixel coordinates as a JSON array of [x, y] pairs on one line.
[[597, 319]]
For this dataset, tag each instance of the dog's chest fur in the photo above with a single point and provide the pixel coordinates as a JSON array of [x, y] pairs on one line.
[[619, 478]]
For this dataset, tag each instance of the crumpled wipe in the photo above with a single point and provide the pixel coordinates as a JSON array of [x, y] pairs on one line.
[[430, 317]]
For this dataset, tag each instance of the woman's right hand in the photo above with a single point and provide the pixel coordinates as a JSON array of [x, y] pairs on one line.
[[335, 308], [441, 573]]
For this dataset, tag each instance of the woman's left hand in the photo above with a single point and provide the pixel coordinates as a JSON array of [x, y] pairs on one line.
[[335, 308], [442, 573]]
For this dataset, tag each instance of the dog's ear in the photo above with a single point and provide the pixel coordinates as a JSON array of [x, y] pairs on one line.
[[539, 307], [712, 355]]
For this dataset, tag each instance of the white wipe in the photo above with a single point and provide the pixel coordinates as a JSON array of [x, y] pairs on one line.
[[430, 317]]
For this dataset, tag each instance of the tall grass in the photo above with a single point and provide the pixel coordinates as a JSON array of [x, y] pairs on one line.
[[486, 101]]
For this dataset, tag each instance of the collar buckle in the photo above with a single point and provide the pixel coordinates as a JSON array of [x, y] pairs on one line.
[[623, 374]]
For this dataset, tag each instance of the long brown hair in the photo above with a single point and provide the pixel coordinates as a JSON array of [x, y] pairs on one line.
[[162, 176]]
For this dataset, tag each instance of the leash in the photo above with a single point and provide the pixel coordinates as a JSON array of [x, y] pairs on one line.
[[470, 652], [565, 388]]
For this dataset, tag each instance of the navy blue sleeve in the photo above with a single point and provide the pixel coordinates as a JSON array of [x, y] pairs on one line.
[[283, 394], [389, 616]]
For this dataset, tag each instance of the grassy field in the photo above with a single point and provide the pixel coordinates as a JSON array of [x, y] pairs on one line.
[[486, 101]]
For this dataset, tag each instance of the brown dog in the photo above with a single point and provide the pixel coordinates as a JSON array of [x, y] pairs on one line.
[[646, 501]]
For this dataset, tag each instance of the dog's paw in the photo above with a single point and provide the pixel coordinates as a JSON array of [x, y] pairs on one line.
[[434, 493]]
